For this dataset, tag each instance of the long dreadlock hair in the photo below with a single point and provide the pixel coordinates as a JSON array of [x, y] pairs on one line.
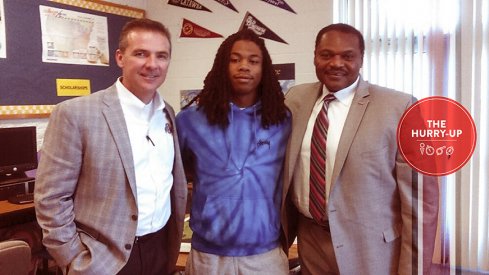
[[215, 97]]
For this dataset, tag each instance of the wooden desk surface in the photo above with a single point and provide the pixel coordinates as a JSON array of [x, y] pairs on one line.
[[7, 207], [11, 214]]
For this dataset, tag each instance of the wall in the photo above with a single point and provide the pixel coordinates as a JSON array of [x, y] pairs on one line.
[[192, 58]]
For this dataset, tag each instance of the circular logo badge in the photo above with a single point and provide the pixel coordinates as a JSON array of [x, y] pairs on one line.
[[436, 136]]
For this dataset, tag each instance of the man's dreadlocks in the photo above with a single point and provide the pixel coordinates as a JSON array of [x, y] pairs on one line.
[[216, 94]]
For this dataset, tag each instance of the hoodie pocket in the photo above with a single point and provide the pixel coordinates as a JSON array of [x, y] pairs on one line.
[[237, 222]]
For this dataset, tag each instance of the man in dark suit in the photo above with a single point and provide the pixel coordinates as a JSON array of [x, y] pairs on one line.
[[365, 219], [110, 192]]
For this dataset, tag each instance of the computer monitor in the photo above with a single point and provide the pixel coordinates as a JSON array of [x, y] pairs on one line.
[[18, 153]]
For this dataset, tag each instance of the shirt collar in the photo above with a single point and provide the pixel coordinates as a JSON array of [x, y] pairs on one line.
[[345, 96], [134, 105]]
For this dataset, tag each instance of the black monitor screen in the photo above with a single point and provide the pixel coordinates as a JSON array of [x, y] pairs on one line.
[[18, 150]]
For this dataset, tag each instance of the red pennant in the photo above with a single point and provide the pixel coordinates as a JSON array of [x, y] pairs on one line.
[[190, 29]]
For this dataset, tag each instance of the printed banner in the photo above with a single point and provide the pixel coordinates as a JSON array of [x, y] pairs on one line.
[[190, 29], [280, 4], [252, 23], [188, 4], [228, 4]]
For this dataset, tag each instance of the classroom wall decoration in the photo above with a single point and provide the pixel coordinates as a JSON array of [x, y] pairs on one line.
[[190, 29], [251, 22], [227, 4], [286, 75], [105, 7], [72, 37], [188, 4], [280, 4], [31, 87]]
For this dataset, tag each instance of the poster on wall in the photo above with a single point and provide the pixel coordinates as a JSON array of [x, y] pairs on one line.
[[252, 23], [71, 37], [3, 41], [280, 4], [190, 29], [286, 75], [186, 97], [188, 4], [228, 4]]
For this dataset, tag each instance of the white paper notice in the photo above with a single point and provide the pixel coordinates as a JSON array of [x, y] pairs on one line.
[[72, 37]]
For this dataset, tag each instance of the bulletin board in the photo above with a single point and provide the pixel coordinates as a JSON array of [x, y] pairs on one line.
[[27, 84]]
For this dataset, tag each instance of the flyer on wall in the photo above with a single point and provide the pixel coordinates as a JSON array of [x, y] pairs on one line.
[[71, 37]]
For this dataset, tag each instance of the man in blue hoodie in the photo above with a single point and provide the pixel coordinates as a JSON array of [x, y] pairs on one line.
[[233, 144]]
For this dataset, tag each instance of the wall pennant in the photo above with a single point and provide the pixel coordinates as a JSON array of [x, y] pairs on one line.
[[280, 4], [252, 23], [188, 4], [228, 4], [190, 29]]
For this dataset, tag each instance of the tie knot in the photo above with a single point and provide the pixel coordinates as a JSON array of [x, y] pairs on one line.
[[329, 97]]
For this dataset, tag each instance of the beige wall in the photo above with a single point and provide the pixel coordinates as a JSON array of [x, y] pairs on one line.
[[192, 58]]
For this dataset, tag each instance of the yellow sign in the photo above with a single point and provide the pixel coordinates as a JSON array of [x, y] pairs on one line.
[[73, 87]]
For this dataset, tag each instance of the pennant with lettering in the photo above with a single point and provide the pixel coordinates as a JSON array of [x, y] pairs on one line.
[[281, 4], [189, 4], [228, 4], [252, 23], [190, 29]]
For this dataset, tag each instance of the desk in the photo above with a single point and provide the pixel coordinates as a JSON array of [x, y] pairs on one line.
[[12, 214], [18, 221]]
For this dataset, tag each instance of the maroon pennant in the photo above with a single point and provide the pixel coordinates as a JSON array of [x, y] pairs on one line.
[[228, 4], [280, 3], [189, 4], [252, 23], [190, 29]]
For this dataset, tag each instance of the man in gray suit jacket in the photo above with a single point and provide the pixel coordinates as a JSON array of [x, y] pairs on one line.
[[110, 191], [368, 223]]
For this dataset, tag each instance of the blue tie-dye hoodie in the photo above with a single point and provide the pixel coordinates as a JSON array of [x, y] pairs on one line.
[[237, 184]]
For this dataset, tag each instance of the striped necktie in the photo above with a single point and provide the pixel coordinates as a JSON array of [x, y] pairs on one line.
[[317, 188]]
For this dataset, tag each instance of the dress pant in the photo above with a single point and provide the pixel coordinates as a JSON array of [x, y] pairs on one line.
[[315, 247], [148, 255]]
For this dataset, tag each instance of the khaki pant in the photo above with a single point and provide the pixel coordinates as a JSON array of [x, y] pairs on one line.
[[272, 262]]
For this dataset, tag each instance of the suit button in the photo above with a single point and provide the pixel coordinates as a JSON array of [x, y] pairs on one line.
[[128, 246], [134, 217]]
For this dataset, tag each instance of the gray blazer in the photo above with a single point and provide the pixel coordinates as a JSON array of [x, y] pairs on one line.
[[85, 191], [371, 205]]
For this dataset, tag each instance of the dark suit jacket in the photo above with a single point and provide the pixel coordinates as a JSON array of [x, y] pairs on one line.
[[85, 191], [372, 205]]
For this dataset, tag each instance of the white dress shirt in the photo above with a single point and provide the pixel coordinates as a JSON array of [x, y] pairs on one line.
[[153, 154], [337, 112]]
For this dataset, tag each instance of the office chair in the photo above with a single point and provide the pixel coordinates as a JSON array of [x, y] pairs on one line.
[[15, 257]]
